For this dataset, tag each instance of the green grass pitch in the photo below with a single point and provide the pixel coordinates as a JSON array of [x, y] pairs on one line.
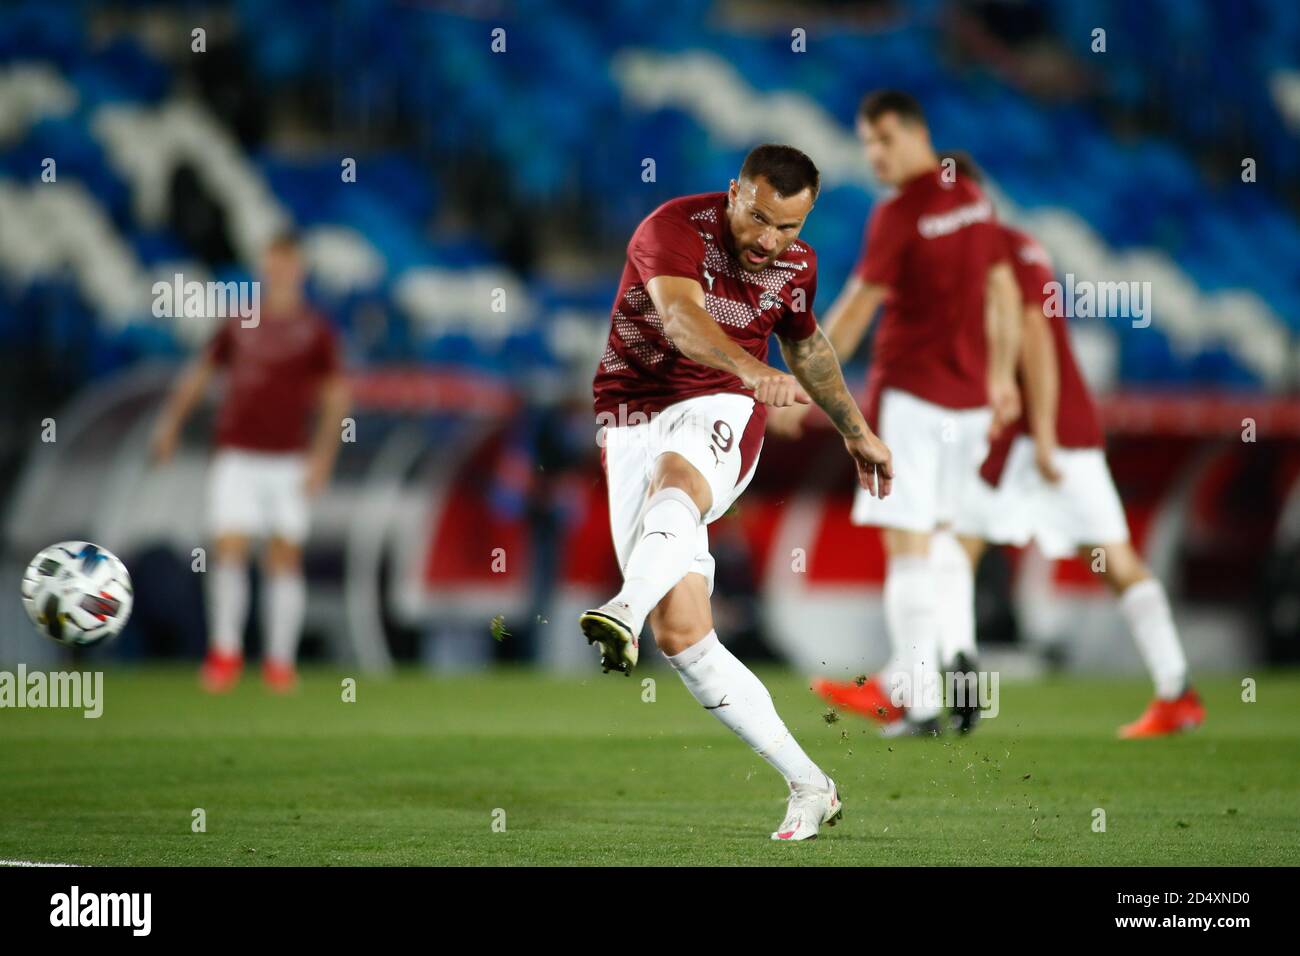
[[416, 769]]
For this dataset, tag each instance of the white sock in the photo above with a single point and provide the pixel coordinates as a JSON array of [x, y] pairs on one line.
[[912, 619], [732, 693], [663, 555], [286, 603], [227, 608], [1146, 609], [954, 582]]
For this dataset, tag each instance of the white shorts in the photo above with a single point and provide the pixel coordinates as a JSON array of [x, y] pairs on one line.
[[709, 432], [936, 452], [1083, 508], [258, 494]]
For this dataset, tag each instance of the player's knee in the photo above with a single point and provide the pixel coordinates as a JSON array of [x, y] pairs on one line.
[[1123, 567], [283, 557], [899, 542], [974, 548], [674, 471], [232, 548]]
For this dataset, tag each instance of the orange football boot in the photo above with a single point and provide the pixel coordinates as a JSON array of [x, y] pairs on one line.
[[279, 677], [220, 672], [868, 698], [1164, 717]]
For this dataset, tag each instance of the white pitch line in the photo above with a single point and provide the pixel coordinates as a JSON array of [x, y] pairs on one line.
[[32, 863]]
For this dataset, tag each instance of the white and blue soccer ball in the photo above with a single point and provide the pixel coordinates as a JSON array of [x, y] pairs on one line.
[[77, 593]]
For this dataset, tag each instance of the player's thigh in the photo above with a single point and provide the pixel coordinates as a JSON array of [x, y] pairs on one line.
[[912, 428], [719, 437], [1006, 512], [288, 508], [963, 446], [1083, 508], [671, 470], [627, 480], [234, 496], [683, 617]]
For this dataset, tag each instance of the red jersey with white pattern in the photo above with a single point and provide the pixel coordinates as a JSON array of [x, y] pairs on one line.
[[932, 244], [641, 370], [1077, 424], [274, 371]]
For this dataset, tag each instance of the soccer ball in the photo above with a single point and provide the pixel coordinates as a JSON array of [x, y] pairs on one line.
[[77, 593]]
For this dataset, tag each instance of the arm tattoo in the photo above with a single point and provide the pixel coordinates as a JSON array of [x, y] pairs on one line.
[[814, 363], [722, 361]]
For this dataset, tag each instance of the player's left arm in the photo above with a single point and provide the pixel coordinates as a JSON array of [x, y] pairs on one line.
[[335, 400], [813, 362], [1042, 389], [1002, 318]]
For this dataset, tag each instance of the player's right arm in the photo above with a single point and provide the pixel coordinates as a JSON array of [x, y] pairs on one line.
[[185, 395], [687, 323], [1042, 388]]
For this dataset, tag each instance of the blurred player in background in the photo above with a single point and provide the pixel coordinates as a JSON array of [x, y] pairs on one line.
[[682, 390], [1046, 478], [265, 470], [941, 379]]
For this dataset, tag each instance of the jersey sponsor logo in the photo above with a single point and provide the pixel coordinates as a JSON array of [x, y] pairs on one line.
[[946, 223], [782, 264]]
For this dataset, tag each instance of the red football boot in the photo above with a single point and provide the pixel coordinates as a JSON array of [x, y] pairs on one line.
[[279, 677], [1167, 717], [868, 698], [220, 672]]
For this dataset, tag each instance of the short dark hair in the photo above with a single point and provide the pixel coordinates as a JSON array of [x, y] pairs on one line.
[[879, 102], [964, 163], [788, 170]]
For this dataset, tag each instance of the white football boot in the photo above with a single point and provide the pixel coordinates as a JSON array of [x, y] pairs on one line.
[[809, 808], [608, 626]]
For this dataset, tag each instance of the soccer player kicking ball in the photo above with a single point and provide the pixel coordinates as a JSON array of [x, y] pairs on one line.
[[264, 471], [1046, 477], [942, 378], [682, 390]]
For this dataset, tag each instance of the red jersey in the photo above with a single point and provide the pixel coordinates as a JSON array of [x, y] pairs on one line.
[[932, 244], [274, 373], [641, 370]]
